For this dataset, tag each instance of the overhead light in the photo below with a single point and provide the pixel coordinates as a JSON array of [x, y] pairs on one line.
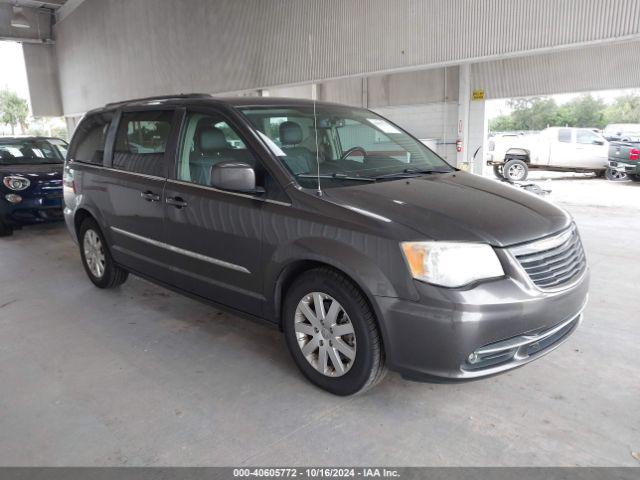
[[19, 20]]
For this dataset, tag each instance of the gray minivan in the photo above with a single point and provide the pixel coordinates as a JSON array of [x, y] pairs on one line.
[[366, 248]]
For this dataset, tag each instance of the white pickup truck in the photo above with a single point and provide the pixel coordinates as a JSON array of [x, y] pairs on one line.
[[561, 149]]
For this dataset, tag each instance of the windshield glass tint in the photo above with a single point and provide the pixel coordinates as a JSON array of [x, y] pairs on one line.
[[29, 152], [346, 141]]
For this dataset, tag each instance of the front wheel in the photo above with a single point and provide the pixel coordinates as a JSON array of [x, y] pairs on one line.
[[497, 171], [615, 175], [332, 334], [96, 258], [515, 170]]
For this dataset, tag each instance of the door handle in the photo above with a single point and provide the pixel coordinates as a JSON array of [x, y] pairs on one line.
[[150, 196], [176, 202]]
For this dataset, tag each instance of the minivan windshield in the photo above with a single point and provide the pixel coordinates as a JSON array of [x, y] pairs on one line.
[[29, 152], [345, 145]]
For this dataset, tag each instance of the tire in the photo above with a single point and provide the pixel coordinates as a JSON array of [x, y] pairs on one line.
[[5, 230], [497, 171], [360, 336], [634, 178], [94, 247], [515, 170], [600, 173], [615, 176]]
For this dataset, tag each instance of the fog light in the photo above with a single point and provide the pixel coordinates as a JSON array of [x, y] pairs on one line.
[[13, 198], [473, 358]]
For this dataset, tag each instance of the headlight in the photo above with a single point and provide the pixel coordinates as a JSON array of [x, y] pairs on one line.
[[451, 264], [16, 183]]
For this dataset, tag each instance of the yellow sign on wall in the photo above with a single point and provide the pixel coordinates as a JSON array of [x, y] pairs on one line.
[[477, 95]]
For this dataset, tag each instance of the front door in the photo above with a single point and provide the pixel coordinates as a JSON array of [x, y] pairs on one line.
[[215, 235], [592, 150], [134, 182]]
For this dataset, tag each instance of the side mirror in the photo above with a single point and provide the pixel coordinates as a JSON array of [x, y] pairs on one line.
[[235, 177]]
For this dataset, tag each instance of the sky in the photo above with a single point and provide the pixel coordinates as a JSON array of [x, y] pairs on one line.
[[14, 74]]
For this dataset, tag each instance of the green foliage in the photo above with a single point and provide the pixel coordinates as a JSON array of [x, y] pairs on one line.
[[625, 109], [13, 110], [537, 113]]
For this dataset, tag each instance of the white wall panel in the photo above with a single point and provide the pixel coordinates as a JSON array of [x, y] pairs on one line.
[[114, 49], [603, 67]]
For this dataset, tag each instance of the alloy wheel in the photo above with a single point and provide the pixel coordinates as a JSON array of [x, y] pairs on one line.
[[516, 172], [325, 334], [94, 253]]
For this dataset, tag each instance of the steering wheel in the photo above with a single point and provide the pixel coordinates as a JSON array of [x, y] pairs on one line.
[[351, 151]]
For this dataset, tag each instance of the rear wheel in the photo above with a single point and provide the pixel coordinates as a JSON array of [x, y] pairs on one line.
[[634, 178], [497, 171], [515, 170], [332, 334], [615, 176], [96, 258]]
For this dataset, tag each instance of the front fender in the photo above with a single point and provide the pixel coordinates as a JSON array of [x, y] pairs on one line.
[[392, 280]]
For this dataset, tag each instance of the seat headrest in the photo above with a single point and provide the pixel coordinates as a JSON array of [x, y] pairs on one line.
[[211, 138], [290, 133]]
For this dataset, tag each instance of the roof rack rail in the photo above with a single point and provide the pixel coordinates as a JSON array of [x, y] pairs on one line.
[[160, 97]]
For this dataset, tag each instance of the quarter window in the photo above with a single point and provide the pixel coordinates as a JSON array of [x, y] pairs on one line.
[[90, 138], [141, 142], [207, 141]]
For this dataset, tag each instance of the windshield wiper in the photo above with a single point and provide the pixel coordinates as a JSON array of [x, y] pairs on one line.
[[410, 172], [336, 176]]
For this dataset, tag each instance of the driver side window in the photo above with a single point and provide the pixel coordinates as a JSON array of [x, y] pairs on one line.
[[208, 140]]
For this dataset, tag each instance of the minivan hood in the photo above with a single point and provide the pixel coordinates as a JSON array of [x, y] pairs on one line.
[[455, 206]]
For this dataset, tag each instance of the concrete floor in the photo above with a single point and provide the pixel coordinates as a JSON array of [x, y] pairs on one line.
[[142, 376]]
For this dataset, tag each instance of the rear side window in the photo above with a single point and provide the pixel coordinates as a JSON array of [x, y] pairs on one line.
[[90, 137], [564, 135], [141, 142]]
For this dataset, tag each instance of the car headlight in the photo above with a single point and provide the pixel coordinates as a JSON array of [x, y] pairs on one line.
[[13, 182], [451, 264]]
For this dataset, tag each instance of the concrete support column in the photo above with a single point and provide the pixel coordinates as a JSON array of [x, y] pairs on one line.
[[477, 134], [464, 98]]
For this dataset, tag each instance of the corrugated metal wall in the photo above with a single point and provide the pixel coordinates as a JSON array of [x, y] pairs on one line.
[[114, 49], [586, 69]]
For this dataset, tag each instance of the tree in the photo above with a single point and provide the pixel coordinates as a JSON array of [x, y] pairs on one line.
[[583, 111], [534, 113], [13, 110], [625, 109]]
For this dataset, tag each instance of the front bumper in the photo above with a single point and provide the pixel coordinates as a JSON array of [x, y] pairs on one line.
[[31, 210], [628, 168], [465, 334]]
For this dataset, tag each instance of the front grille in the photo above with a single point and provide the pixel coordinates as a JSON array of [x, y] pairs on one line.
[[553, 262]]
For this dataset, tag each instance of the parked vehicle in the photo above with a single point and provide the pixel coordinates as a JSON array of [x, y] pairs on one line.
[[560, 149], [621, 131], [367, 249], [30, 181], [624, 159]]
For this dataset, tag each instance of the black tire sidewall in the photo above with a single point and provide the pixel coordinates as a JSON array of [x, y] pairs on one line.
[[634, 178], [109, 267], [507, 165], [359, 373]]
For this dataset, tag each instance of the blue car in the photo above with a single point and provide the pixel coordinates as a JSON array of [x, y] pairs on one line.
[[30, 181]]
